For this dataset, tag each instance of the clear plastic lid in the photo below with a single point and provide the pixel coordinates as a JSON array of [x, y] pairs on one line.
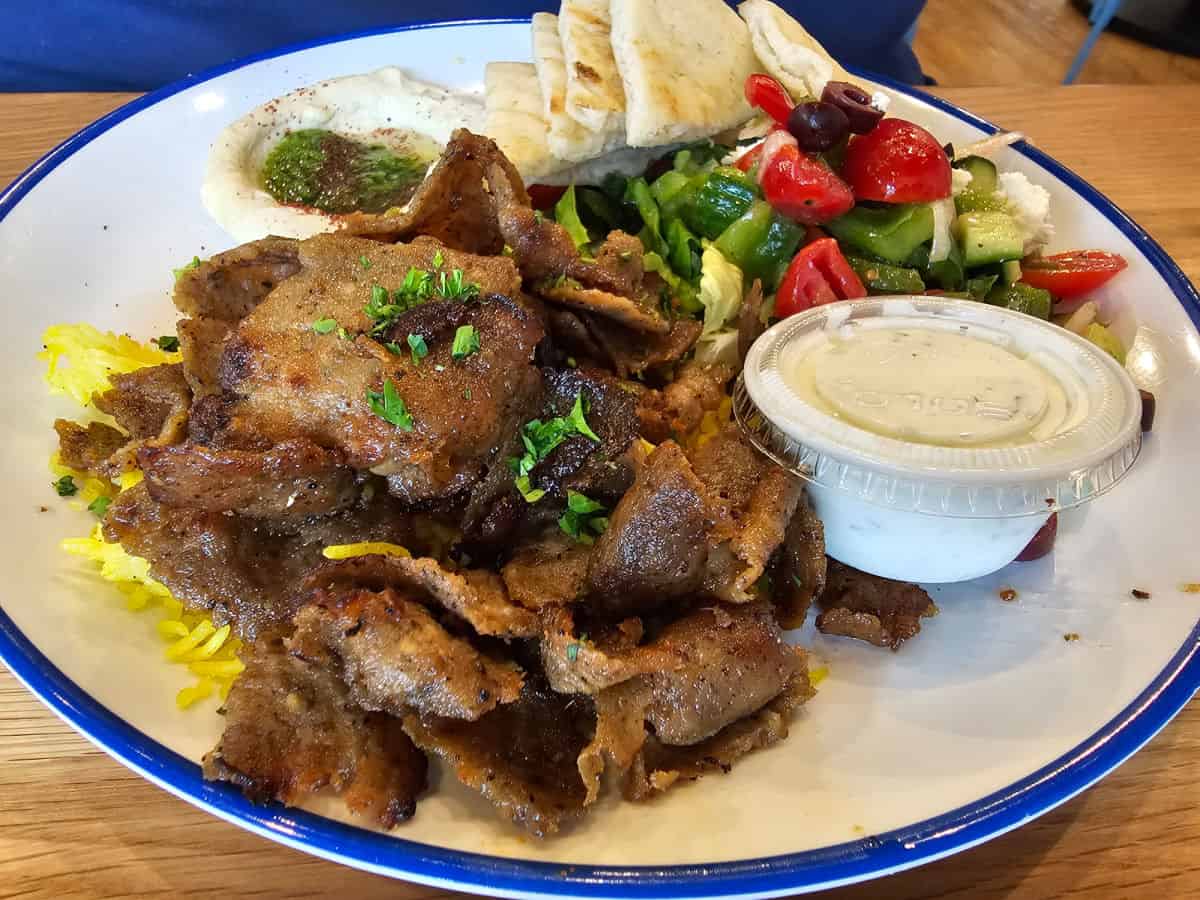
[[939, 405]]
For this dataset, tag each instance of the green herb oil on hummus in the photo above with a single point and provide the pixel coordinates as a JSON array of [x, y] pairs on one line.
[[336, 174]]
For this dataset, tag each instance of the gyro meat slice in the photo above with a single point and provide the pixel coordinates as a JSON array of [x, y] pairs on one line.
[[798, 568], [231, 284], [202, 341], [247, 572], [629, 352], [655, 547], [452, 204], [877, 610], [476, 596], [753, 500], [676, 410], [660, 766], [291, 730], [87, 448], [395, 657], [550, 570], [295, 479], [521, 756], [323, 358]]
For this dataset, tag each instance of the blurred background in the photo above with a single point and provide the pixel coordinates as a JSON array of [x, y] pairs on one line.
[[136, 45]]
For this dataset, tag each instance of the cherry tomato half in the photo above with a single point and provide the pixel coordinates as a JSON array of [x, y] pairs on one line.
[[818, 274], [1042, 542], [798, 186], [770, 96], [544, 196], [897, 162], [1071, 274]]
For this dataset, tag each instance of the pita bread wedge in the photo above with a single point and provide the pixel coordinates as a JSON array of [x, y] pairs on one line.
[[595, 96], [515, 118], [682, 64], [788, 52], [515, 121], [567, 138]]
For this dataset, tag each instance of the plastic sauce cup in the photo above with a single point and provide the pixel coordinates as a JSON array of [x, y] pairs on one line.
[[937, 435]]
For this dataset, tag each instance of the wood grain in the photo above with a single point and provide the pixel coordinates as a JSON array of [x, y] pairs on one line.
[[1009, 42], [73, 823]]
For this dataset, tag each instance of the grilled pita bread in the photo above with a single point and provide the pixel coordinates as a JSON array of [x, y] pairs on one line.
[[516, 120], [682, 64], [595, 97], [567, 138], [790, 53]]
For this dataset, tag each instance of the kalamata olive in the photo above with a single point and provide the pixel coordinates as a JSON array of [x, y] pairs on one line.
[[1147, 410], [855, 103], [1043, 541], [817, 126]]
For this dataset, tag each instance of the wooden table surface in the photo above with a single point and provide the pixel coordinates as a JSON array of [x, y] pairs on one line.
[[75, 823]]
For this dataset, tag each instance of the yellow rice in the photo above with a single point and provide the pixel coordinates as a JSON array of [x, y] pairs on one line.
[[80, 358]]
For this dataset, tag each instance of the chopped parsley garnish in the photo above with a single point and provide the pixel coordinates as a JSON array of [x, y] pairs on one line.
[[65, 486], [467, 394], [364, 262], [438, 259], [579, 422], [572, 652], [440, 368], [99, 506], [540, 438], [454, 287], [324, 326], [343, 333], [186, 267], [583, 518], [419, 286], [394, 348], [419, 348], [167, 343], [466, 342], [389, 406]]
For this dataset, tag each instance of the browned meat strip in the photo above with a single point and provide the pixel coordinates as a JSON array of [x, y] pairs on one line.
[[678, 409], [750, 319], [575, 664], [733, 660], [753, 502], [654, 548], [702, 674], [521, 756], [877, 610], [202, 341], [452, 203], [87, 448], [660, 766], [629, 352], [572, 337], [638, 313], [232, 283], [395, 657], [549, 571], [293, 382], [798, 570], [149, 403], [476, 596], [291, 730], [245, 572], [293, 480]]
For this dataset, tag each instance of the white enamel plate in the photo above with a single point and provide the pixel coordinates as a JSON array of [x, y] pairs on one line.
[[986, 720]]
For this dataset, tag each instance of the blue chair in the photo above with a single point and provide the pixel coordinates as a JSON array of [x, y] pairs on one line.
[[1101, 14]]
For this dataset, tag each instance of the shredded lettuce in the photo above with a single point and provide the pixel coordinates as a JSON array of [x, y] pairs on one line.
[[720, 290], [719, 347], [566, 214]]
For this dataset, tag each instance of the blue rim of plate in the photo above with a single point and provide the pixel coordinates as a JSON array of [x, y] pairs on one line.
[[840, 864]]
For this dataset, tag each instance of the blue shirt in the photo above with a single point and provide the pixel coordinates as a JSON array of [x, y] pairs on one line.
[[137, 45]]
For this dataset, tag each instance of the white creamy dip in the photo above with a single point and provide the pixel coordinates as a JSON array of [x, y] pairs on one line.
[[937, 435], [931, 387], [386, 106]]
